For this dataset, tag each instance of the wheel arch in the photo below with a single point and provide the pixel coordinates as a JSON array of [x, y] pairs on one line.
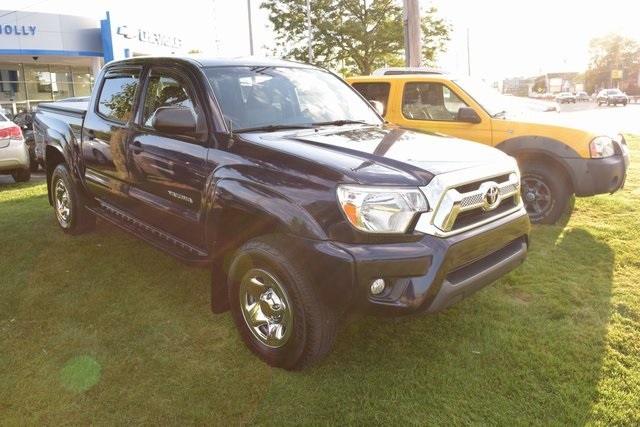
[[528, 149], [240, 211]]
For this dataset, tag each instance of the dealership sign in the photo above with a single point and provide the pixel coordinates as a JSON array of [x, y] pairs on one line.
[[150, 37], [18, 30]]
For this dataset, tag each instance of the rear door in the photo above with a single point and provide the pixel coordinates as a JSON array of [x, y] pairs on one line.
[[106, 129], [167, 171]]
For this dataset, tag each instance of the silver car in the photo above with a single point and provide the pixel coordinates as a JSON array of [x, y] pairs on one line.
[[14, 153]]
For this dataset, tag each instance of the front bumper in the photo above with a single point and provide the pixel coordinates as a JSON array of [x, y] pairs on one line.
[[423, 276], [600, 176]]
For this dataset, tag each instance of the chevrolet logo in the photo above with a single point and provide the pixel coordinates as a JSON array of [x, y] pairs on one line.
[[127, 33]]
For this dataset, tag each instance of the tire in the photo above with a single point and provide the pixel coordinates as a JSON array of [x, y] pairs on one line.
[[275, 307], [69, 203], [21, 175], [545, 193]]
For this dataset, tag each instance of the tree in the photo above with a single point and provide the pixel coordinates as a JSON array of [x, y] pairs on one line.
[[609, 54], [355, 36], [540, 85], [435, 36]]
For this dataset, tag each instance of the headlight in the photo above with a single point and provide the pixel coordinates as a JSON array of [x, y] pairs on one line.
[[381, 209], [602, 146]]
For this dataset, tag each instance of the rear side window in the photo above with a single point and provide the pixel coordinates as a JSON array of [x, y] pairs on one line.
[[116, 96], [375, 92]]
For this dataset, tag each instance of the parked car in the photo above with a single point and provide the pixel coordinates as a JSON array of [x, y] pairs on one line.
[[24, 119], [612, 97], [582, 96], [565, 98], [557, 161], [14, 154]]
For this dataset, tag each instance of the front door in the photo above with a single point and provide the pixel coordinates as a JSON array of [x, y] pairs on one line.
[[167, 172]]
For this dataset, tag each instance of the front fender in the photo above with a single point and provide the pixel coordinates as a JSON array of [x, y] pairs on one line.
[[529, 146], [258, 201]]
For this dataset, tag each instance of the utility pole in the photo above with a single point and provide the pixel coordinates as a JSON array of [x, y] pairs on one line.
[[412, 34], [309, 29], [250, 28]]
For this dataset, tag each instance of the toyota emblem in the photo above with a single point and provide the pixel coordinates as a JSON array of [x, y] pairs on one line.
[[490, 196]]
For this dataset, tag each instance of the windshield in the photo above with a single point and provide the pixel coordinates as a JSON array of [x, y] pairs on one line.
[[493, 102], [273, 98]]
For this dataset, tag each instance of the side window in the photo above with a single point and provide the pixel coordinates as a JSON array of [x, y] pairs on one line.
[[415, 99], [116, 96], [375, 92], [430, 101], [452, 103], [165, 90]]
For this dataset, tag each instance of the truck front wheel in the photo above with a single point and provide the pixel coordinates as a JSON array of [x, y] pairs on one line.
[[68, 203], [276, 308], [545, 194]]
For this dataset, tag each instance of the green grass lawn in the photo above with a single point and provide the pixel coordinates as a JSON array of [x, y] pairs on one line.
[[102, 329]]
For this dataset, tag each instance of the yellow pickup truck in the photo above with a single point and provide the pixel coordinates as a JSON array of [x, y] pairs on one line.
[[556, 161]]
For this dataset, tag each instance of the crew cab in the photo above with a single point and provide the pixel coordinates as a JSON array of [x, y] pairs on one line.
[[289, 187], [556, 161]]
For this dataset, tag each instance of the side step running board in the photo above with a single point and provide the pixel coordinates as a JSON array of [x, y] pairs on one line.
[[153, 235]]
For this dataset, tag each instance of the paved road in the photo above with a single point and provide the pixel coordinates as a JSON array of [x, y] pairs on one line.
[[587, 114], [7, 179]]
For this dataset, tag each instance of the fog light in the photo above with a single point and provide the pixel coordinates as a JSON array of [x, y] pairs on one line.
[[377, 286]]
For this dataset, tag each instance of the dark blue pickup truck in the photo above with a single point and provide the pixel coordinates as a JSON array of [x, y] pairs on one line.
[[284, 182]]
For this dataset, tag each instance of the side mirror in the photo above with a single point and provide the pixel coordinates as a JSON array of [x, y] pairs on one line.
[[378, 106], [468, 115], [174, 120]]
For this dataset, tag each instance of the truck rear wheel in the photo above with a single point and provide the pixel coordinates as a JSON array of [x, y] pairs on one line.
[[68, 203], [276, 308], [545, 194]]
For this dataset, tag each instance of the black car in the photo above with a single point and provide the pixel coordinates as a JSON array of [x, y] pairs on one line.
[[612, 97], [24, 119]]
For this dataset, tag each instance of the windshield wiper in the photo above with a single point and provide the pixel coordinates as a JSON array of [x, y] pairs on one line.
[[272, 128], [500, 114], [340, 123]]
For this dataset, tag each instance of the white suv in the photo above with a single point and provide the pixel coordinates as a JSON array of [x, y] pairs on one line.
[[14, 153]]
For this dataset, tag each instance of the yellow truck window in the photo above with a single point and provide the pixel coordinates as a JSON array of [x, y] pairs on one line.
[[430, 101]]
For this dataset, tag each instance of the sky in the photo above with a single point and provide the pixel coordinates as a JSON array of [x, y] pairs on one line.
[[509, 38], [502, 38]]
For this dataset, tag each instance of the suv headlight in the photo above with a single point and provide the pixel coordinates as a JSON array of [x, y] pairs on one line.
[[601, 146], [381, 209]]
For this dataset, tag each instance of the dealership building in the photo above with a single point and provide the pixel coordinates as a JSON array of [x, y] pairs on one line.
[[45, 57]]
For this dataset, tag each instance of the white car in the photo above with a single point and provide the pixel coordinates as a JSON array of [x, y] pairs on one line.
[[14, 153]]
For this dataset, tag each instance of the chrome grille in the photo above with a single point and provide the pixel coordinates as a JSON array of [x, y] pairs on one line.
[[461, 201]]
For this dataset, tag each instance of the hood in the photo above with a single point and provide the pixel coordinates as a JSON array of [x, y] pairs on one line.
[[364, 152], [589, 124]]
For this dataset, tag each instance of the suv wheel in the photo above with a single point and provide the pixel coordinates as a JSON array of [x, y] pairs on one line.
[[276, 308], [68, 203], [544, 193]]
